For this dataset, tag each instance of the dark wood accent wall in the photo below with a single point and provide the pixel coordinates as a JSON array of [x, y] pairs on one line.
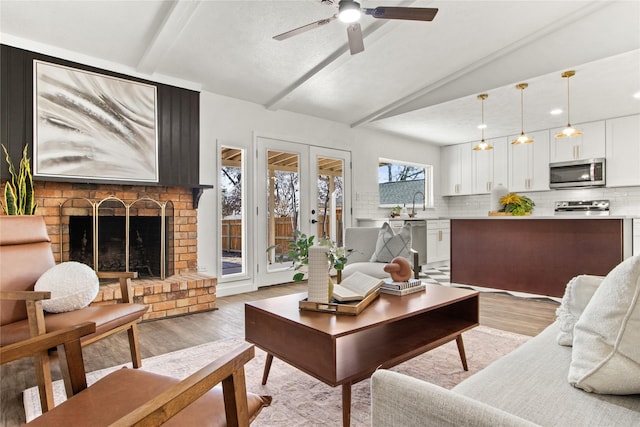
[[536, 256], [178, 117]]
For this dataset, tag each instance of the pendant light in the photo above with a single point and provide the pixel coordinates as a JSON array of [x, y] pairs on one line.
[[523, 138], [569, 131], [483, 145]]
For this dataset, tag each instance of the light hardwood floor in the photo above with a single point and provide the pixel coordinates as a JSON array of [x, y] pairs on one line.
[[497, 310]]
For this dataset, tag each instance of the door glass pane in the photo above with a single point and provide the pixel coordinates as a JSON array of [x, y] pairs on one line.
[[283, 205], [232, 230], [330, 198]]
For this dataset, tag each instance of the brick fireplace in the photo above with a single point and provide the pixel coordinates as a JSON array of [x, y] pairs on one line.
[[181, 290]]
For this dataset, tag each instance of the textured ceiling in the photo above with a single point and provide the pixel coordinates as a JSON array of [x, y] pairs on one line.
[[416, 79]]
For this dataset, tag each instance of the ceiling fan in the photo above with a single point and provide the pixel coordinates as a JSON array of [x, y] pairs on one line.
[[349, 11]]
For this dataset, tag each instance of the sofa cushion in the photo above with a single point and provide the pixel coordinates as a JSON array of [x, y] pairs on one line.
[[73, 286], [124, 390], [606, 343], [531, 382], [577, 295], [391, 245]]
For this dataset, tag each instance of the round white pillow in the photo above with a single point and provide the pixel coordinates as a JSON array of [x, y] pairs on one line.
[[73, 286]]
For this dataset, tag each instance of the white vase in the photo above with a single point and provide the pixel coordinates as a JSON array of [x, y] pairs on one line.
[[318, 275]]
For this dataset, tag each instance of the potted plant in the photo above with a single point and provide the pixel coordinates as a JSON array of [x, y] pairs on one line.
[[395, 211], [516, 204], [299, 253], [19, 197]]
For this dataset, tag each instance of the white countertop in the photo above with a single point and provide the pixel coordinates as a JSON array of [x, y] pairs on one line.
[[544, 217]]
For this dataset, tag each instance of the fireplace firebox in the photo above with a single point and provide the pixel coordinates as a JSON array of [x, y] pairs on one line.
[[110, 235]]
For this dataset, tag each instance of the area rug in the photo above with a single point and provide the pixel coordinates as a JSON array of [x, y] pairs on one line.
[[301, 400]]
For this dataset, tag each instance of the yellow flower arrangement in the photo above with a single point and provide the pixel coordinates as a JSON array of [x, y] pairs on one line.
[[516, 204]]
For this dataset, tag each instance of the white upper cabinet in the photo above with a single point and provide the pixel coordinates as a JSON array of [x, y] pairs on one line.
[[623, 151], [456, 169], [489, 167], [529, 163], [589, 145]]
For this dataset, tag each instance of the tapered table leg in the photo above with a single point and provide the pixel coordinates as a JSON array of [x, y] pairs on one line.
[[267, 368], [463, 356], [346, 404]]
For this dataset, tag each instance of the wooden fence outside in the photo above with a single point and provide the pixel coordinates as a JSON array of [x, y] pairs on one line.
[[232, 233]]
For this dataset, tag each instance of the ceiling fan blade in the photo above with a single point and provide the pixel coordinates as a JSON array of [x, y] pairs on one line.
[[356, 42], [304, 28], [408, 13]]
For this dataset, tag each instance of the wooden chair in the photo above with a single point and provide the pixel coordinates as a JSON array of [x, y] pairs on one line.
[[25, 254], [132, 397]]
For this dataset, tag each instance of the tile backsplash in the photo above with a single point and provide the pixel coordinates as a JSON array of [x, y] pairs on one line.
[[625, 201]]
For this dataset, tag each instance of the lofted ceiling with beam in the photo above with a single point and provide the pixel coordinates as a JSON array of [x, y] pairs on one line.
[[419, 80]]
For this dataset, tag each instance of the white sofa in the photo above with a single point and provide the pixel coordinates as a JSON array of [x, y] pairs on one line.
[[526, 387], [531, 385], [361, 243]]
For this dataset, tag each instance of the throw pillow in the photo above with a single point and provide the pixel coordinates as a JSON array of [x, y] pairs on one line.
[[73, 286], [577, 295], [606, 354], [390, 245]]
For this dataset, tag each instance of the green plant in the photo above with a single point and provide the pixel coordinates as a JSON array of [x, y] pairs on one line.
[[516, 204], [395, 211], [19, 198], [299, 253]]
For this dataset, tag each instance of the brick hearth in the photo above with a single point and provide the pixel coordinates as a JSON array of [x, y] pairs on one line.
[[186, 291]]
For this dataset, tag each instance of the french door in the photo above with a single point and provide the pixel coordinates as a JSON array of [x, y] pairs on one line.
[[297, 187]]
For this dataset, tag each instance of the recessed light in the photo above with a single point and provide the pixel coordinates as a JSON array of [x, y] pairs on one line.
[[636, 95], [556, 111], [482, 126]]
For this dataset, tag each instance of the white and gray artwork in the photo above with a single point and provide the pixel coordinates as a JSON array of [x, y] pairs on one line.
[[92, 126]]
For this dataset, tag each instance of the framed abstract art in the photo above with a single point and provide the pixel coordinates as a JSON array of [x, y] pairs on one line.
[[93, 127]]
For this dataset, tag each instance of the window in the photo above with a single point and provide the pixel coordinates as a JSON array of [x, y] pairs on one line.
[[402, 183]]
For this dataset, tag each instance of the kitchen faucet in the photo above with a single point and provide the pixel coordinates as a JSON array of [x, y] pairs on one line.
[[424, 205]]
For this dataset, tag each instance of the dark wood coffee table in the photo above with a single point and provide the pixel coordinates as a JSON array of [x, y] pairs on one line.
[[342, 350]]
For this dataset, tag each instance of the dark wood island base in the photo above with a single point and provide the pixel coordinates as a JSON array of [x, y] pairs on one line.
[[537, 256]]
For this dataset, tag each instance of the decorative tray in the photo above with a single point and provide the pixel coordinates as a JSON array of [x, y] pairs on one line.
[[351, 309]]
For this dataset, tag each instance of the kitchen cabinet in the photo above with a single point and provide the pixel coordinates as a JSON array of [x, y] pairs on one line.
[[438, 241], [623, 151], [489, 252], [489, 168], [636, 236], [456, 169], [529, 164], [589, 145]]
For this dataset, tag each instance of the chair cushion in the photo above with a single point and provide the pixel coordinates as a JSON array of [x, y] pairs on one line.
[[577, 295], [373, 269], [124, 390], [106, 317], [391, 245], [606, 350], [73, 286]]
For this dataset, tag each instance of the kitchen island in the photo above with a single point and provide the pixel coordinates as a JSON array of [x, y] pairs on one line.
[[537, 255]]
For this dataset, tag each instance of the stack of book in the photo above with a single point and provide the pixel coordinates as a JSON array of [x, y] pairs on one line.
[[402, 288]]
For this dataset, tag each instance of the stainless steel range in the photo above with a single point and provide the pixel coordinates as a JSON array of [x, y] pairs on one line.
[[583, 207]]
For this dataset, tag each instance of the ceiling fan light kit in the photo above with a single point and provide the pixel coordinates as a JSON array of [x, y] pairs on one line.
[[523, 138], [349, 11], [483, 145], [568, 131]]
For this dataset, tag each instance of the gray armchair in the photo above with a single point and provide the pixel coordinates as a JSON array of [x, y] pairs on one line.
[[361, 244]]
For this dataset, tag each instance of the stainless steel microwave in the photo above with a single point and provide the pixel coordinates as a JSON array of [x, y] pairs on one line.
[[577, 173]]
